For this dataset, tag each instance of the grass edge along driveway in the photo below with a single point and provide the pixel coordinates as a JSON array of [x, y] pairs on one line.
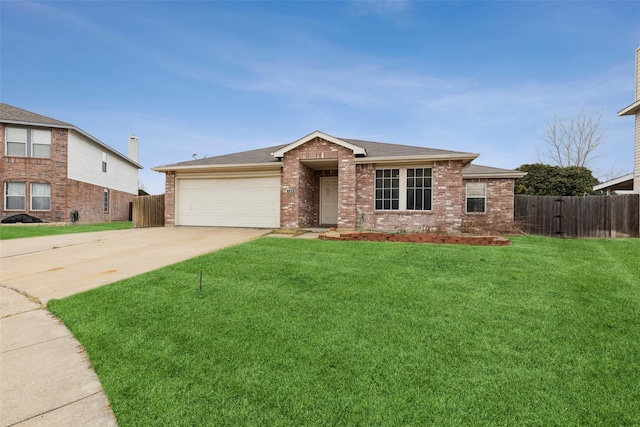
[[20, 231], [298, 332]]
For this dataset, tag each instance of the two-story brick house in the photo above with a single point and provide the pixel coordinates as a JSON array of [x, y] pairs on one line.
[[57, 172], [320, 180]]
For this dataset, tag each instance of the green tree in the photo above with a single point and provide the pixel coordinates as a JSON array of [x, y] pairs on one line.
[[547, 180]]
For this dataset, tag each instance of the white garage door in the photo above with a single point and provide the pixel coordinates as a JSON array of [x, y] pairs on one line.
[[229, 202]]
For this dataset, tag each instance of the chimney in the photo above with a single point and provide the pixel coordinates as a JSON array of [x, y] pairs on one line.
[[133, 148]]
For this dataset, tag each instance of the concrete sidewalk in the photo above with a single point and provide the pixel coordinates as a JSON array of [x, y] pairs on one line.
[[45, 377]]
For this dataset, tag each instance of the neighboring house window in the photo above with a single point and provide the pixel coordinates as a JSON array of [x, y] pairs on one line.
[[40, 197], [104, 162], [419, 189], [106, 200], [28, 142], [14, 196], [476, 197], [41, 143], [403, 189], [387, 189]]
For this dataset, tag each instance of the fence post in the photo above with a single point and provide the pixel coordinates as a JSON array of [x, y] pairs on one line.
[[560, 230]]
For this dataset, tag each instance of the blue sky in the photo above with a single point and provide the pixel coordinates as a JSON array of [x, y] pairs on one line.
[[210, 78]]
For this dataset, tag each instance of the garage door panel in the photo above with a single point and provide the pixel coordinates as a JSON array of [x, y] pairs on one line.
[[229, 202]]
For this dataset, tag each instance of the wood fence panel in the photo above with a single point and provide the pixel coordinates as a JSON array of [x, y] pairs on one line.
[[588, 216], [148, 211]]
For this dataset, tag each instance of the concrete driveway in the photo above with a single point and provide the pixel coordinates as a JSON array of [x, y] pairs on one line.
[[46, 378]]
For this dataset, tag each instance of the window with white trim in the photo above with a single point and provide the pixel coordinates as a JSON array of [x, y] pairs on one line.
[[404, 189], [14, 196], [106, 200], [25, 142], [40, 196], [387, 189], [41, 143], [476, 195], [419, 189], [104, 162]]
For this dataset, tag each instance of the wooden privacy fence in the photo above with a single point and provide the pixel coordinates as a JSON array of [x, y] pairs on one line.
[[588, 216], [148, 211]]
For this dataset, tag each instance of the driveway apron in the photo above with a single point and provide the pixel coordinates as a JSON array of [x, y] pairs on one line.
[[45, 376]]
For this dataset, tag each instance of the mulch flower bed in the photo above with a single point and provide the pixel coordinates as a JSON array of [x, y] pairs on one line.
[[375, 236]]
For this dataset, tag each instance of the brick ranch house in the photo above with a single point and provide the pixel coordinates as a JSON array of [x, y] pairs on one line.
[[320, 180], [50, 169]]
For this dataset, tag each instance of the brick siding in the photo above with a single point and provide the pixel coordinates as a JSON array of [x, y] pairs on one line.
[[88, 200], [299, 209], [170, 198], [499, 207], [447, 202]]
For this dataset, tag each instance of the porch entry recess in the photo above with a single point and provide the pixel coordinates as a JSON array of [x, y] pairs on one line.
[[329, 200]]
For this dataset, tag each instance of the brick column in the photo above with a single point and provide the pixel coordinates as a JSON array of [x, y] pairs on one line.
[[289, 197], [346, 190], [448, 194], [170, 199]]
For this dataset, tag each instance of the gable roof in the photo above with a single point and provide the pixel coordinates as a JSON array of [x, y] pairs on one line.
[[480, 171], [376, 152], [357, 150], [18, 116]]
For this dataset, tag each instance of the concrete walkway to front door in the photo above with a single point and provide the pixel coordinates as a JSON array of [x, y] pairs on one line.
[[45, 377]]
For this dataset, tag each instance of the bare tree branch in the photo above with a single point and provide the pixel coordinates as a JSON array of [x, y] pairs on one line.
[[572, 142]]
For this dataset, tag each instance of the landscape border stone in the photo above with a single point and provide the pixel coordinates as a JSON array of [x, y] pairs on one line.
[[377, 236]]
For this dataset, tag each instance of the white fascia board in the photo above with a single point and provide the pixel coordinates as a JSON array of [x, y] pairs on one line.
[[200, 168], [38, 124], [615, 181], [630, 110], [494, 175], [356, 149], [465, 157], [80, 131]]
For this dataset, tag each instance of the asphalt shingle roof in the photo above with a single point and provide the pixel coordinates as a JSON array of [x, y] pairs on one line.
[[263, 155], [474, 169], [382, 149], [15, 114]]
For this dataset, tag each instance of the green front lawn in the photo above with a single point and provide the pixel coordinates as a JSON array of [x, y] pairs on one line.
[[297, 332], [21, 231]]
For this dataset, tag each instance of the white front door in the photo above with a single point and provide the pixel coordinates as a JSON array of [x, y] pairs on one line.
[[329, 200]]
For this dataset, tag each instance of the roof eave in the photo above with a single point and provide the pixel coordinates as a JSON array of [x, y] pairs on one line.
[[494, 175], [465, 157], [77, 129], [613, 182], [41, 124], [631, 110], [237, 166]]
